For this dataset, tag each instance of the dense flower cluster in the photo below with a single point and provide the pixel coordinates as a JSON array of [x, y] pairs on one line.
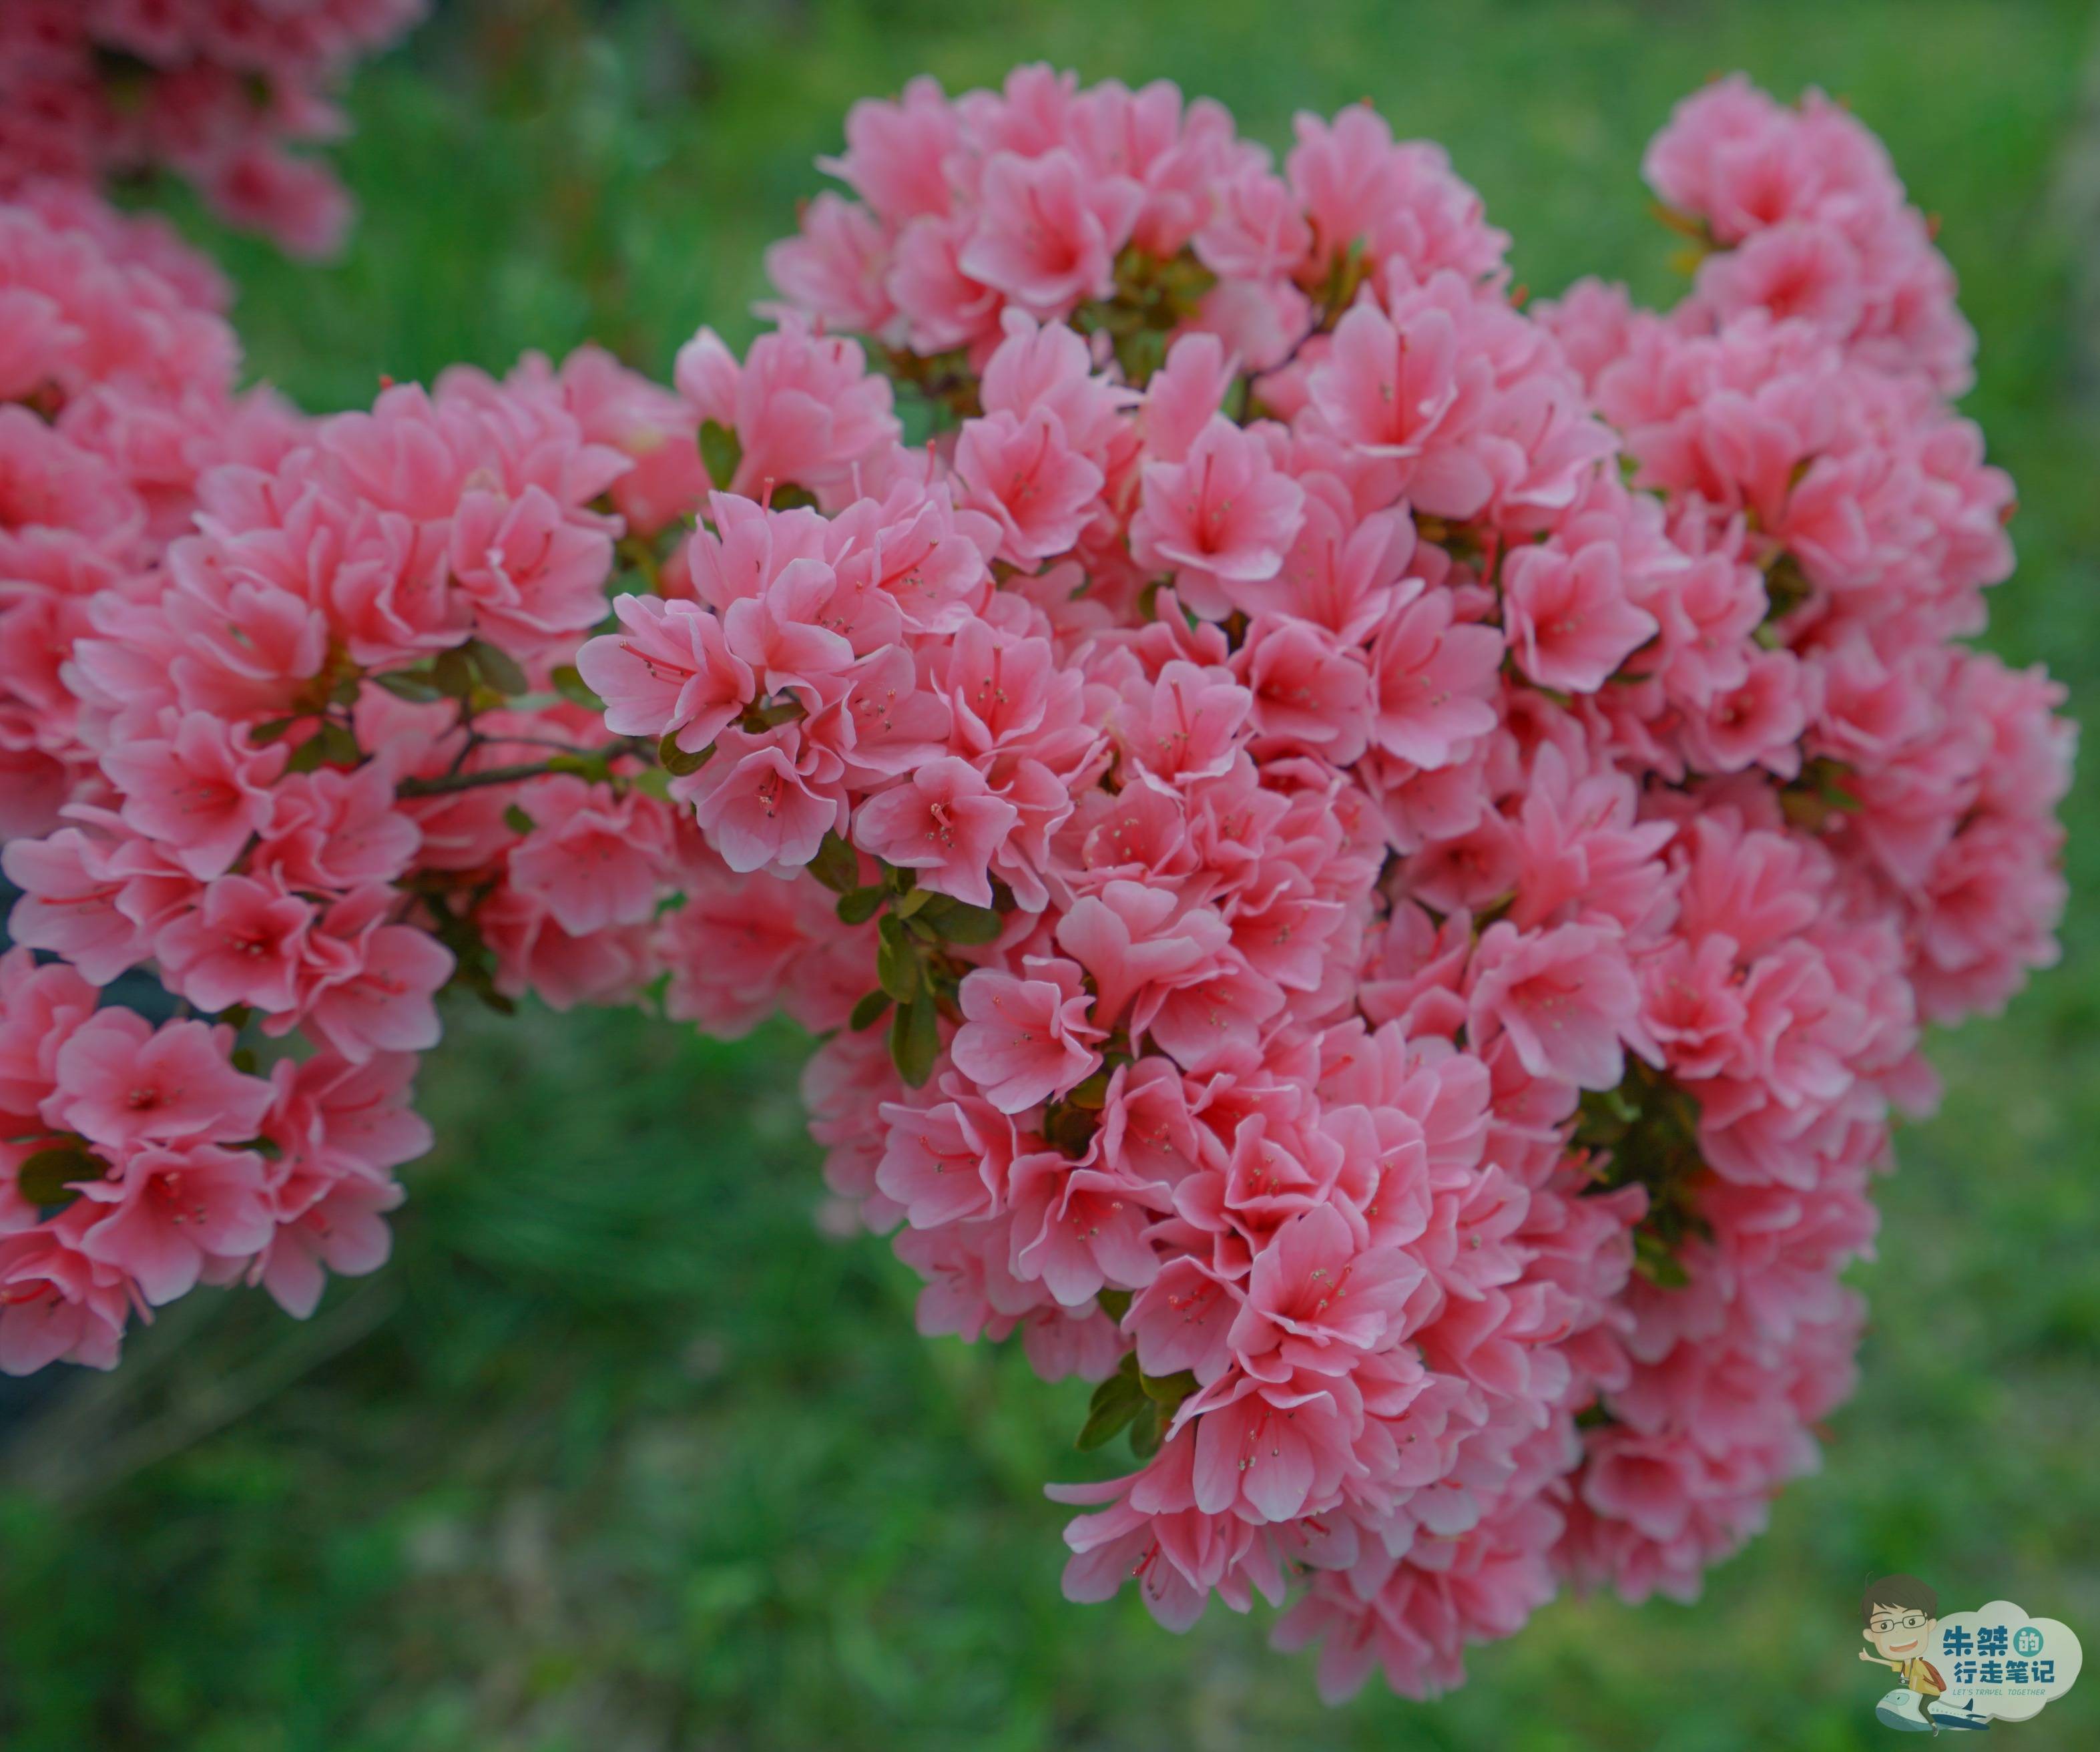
[[1437, 1039], [92, 92], [1370, 863], [280, 697]]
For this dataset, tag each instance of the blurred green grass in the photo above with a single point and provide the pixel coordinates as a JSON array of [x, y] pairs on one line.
[[622, 1452]]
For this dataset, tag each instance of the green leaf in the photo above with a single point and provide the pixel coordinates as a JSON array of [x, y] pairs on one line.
[[1115, 1304], [517, 821], [675, 760], [1168, 1391], [836, 864], [868, 1012], [261, 735], [1115, 1402], [914, 1041], [1147, 1430], [570, 684], [451, 673], [497, 668], [1654, 1261], [308, 755], [959, 922], [860, 905], [897, 963], [1093, 1095], [404, 684], [45, 1177], [721, 450]]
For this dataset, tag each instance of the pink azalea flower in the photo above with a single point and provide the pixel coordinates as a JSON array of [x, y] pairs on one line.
[[1028, 1041], [669, 671], [1047, 231], [1566, 999], [199, 789], [120, 1082], [173, 1211], [942, 821], [1568, 618]]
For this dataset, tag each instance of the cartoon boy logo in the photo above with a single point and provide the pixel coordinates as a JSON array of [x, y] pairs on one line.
[[1899, 1614]]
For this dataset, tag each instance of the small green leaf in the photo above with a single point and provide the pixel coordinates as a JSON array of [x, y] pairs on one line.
[[451, 673], [1115, 1402], [836, 864], [339, 744], [1115, 1304], [1093, 1095], [914, 1041], [721, 450], [1147, 1430], [570, 684], [497, 668], [897, 963], [46, 1176], [1168, 1391], [308, 755], [676, 761], [959, 922], [517, 821], [261, 735], [404, 684], [860, 905], [868, 1012]]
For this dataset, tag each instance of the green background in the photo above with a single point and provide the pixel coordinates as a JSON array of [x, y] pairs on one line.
[[623, 1453]]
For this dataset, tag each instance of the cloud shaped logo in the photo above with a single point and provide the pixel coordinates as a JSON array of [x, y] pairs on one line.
[[2000, 1664]]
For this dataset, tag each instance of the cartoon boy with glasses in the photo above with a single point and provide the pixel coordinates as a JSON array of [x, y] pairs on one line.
[[1899, 1612]]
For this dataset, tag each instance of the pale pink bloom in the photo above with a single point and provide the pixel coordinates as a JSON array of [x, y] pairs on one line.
[[1569, 622], [331, 831], [199, 787], [56, 1301], [240, 944], [175, 1209], [1077, 1230], [366, 986], [121, 1082], [531, 573], [594, 857], [943, 821], [1224, 514], [41, 1007], [1048, 231], [1022, 471], [1565, 997], [1131, 939], [1433, 683], [1310, 690], [1269, 1450], [69, 903], [1025, 1040], [1316, 1296], [760, 806]]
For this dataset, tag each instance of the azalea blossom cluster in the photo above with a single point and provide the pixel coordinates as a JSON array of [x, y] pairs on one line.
[[285, 722], [94, 91], [1369, 864], [1438, 1033]]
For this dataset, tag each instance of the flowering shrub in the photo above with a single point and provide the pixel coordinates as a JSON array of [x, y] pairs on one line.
[[1370, 864], [95, 90]]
